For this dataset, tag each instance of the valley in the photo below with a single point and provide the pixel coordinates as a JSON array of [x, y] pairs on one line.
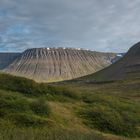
[[100, 106]]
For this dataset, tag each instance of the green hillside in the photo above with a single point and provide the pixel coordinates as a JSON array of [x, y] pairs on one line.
[[32, 111]]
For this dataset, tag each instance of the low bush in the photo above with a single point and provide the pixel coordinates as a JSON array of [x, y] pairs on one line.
[[40, 107]]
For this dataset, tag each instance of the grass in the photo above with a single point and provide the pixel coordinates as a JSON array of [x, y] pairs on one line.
[[29, 110], [111, 107], [9, 131], [112, 115], [40, 107], [22, 111], [45, 134]]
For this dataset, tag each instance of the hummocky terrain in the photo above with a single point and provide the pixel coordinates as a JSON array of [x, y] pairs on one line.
[[58, 64], [125, 68]]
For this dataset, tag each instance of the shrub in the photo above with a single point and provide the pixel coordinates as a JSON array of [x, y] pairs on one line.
[[41, 107]]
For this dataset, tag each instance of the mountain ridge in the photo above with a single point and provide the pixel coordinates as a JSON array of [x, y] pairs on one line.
[[125, 68]]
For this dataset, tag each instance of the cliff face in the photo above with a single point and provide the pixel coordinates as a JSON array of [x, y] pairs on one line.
[[57, 64], [7, 58]]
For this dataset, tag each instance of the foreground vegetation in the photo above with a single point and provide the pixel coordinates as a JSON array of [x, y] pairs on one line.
[[99, 111], [13, 133]]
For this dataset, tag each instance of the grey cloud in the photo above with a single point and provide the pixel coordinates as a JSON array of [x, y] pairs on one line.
[[101, 25]]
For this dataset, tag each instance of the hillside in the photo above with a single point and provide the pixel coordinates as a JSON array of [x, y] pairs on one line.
[[127, 67], [58, 64], [83, 110], [29, 110]]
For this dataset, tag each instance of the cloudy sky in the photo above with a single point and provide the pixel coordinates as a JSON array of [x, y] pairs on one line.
[[101, 25]]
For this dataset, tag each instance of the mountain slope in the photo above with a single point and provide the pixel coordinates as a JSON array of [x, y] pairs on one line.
[[57, 64], [127, 67]]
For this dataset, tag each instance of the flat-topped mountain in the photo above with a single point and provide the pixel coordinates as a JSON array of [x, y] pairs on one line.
[[57, 64], [127, 67]]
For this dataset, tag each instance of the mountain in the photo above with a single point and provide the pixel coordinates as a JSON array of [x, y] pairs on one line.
[[70, 111], [128, 67], [57, 64], [7, 58], [119, 56]]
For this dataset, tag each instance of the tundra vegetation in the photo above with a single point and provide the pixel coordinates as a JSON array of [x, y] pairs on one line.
[[69, 111]]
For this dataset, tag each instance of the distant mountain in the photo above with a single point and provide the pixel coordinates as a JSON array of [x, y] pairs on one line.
[[7, 58], [119, 56], [125, 68], [58, 64]]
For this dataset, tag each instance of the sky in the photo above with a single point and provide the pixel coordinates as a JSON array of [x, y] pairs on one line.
[[100, 25]]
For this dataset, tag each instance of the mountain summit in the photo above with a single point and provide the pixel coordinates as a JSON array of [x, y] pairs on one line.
[[57, 64]]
